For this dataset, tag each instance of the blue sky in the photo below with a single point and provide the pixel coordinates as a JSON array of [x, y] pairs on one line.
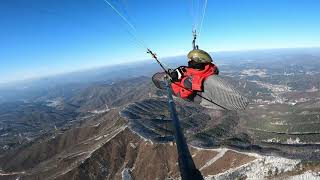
[[44, 37]]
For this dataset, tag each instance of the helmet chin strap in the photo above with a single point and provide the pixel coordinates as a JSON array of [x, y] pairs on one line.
[[194, 46]]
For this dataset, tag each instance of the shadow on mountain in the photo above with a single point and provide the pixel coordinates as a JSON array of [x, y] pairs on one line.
[[150, 118], [207, 128]]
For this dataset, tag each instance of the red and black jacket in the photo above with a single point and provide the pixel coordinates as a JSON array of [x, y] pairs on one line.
[[192, 80]]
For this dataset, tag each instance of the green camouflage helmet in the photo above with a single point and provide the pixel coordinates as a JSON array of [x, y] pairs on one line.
[[199, 56]]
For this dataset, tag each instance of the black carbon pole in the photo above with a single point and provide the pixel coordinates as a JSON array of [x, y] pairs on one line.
[[188, 170], [154, 56]]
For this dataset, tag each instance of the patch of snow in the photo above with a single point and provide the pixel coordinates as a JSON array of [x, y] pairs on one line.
[[98, 138], [96, 125], [292, 103], [143, 138], [194, 155], [215, 158], [133, 145], [11, 173], [279, 123], [209, 149], [4, 134], [309, 175], [5, 147], [55, 102], [126, 174], [273, 140], [100, 111], [260, 168], [293, 141]]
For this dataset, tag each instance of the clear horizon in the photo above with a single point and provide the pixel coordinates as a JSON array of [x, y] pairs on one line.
[[138, 61], [45, 38]]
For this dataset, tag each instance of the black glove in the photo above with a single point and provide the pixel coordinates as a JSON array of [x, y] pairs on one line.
[[174, 75]]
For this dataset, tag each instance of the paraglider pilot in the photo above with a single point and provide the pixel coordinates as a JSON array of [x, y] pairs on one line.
[[199, 82], [189, 79]]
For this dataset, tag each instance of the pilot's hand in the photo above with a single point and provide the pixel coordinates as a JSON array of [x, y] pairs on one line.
[[175, 74]]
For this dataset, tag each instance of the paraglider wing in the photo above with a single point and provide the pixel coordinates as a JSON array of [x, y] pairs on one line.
[[222, 93]]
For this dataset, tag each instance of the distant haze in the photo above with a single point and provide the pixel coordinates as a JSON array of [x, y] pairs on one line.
[[148, 67]]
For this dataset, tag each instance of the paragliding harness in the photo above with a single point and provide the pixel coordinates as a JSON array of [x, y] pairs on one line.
[[195, 77]]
